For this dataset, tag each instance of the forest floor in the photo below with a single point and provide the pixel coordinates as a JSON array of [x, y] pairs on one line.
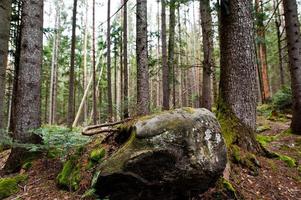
[[275, 178]]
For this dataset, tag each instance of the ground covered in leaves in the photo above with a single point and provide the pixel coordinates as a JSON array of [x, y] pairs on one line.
[[278, 177]]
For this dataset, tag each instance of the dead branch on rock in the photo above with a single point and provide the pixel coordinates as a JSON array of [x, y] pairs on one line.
[[102, 128]]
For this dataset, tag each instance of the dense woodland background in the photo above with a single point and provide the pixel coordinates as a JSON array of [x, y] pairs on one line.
[[62, 67]]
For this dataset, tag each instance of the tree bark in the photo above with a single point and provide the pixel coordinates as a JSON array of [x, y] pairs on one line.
[[294, 52], [27, 108], [71, 99], [208, 63], [237, 98], [165, 68], [5, 14], [143, 96], [109, 78]]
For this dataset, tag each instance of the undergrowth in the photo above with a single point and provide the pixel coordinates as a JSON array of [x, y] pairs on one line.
[[57, 140]]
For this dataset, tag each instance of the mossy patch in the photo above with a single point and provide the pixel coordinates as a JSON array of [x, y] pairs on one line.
[[290, 162], [9, 186], [97, 154], [245, 159], [264, 139], [189, 110], [70, 176], [225, 190], [263, 128]]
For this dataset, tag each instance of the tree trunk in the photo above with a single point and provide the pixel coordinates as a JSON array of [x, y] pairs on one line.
[[94, 67], [171, 46], [115, 81], [54, 65], [180, 64], [125, 63], [208, 63], [262, 54], [27, 106], [278, 22], [85, 61], [71, 98], [109, 78], [237, 98], [294, 52], [165, 67], [5, 14], [143, 97]]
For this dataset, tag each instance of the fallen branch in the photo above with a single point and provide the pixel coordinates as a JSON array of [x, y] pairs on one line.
[[102, 128]]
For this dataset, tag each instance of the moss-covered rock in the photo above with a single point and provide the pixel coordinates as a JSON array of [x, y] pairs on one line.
[[9, 186], [164, 155], [70, 176]]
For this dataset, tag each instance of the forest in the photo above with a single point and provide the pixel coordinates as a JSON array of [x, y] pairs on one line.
[[150, 99]]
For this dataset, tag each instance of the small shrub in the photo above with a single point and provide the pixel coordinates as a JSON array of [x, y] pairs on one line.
[[282, 100]]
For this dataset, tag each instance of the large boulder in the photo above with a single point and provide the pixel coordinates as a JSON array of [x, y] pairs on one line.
[[170, 155]]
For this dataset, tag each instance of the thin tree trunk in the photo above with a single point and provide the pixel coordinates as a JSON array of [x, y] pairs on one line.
[[27, 106], [165, 67], [262, 54], [208, 63], [71, 98], [143, 96], [85, 60], [125, 63], [94, 68], [115, 83], [180, 64], [171, 46], [237, 100], [294, 52], [278, 23], [54, 62], [110, 107], [5, 14]]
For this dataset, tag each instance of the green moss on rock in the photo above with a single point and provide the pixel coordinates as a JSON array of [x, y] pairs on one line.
[[97, 154], [9, 186], [69, 177]]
